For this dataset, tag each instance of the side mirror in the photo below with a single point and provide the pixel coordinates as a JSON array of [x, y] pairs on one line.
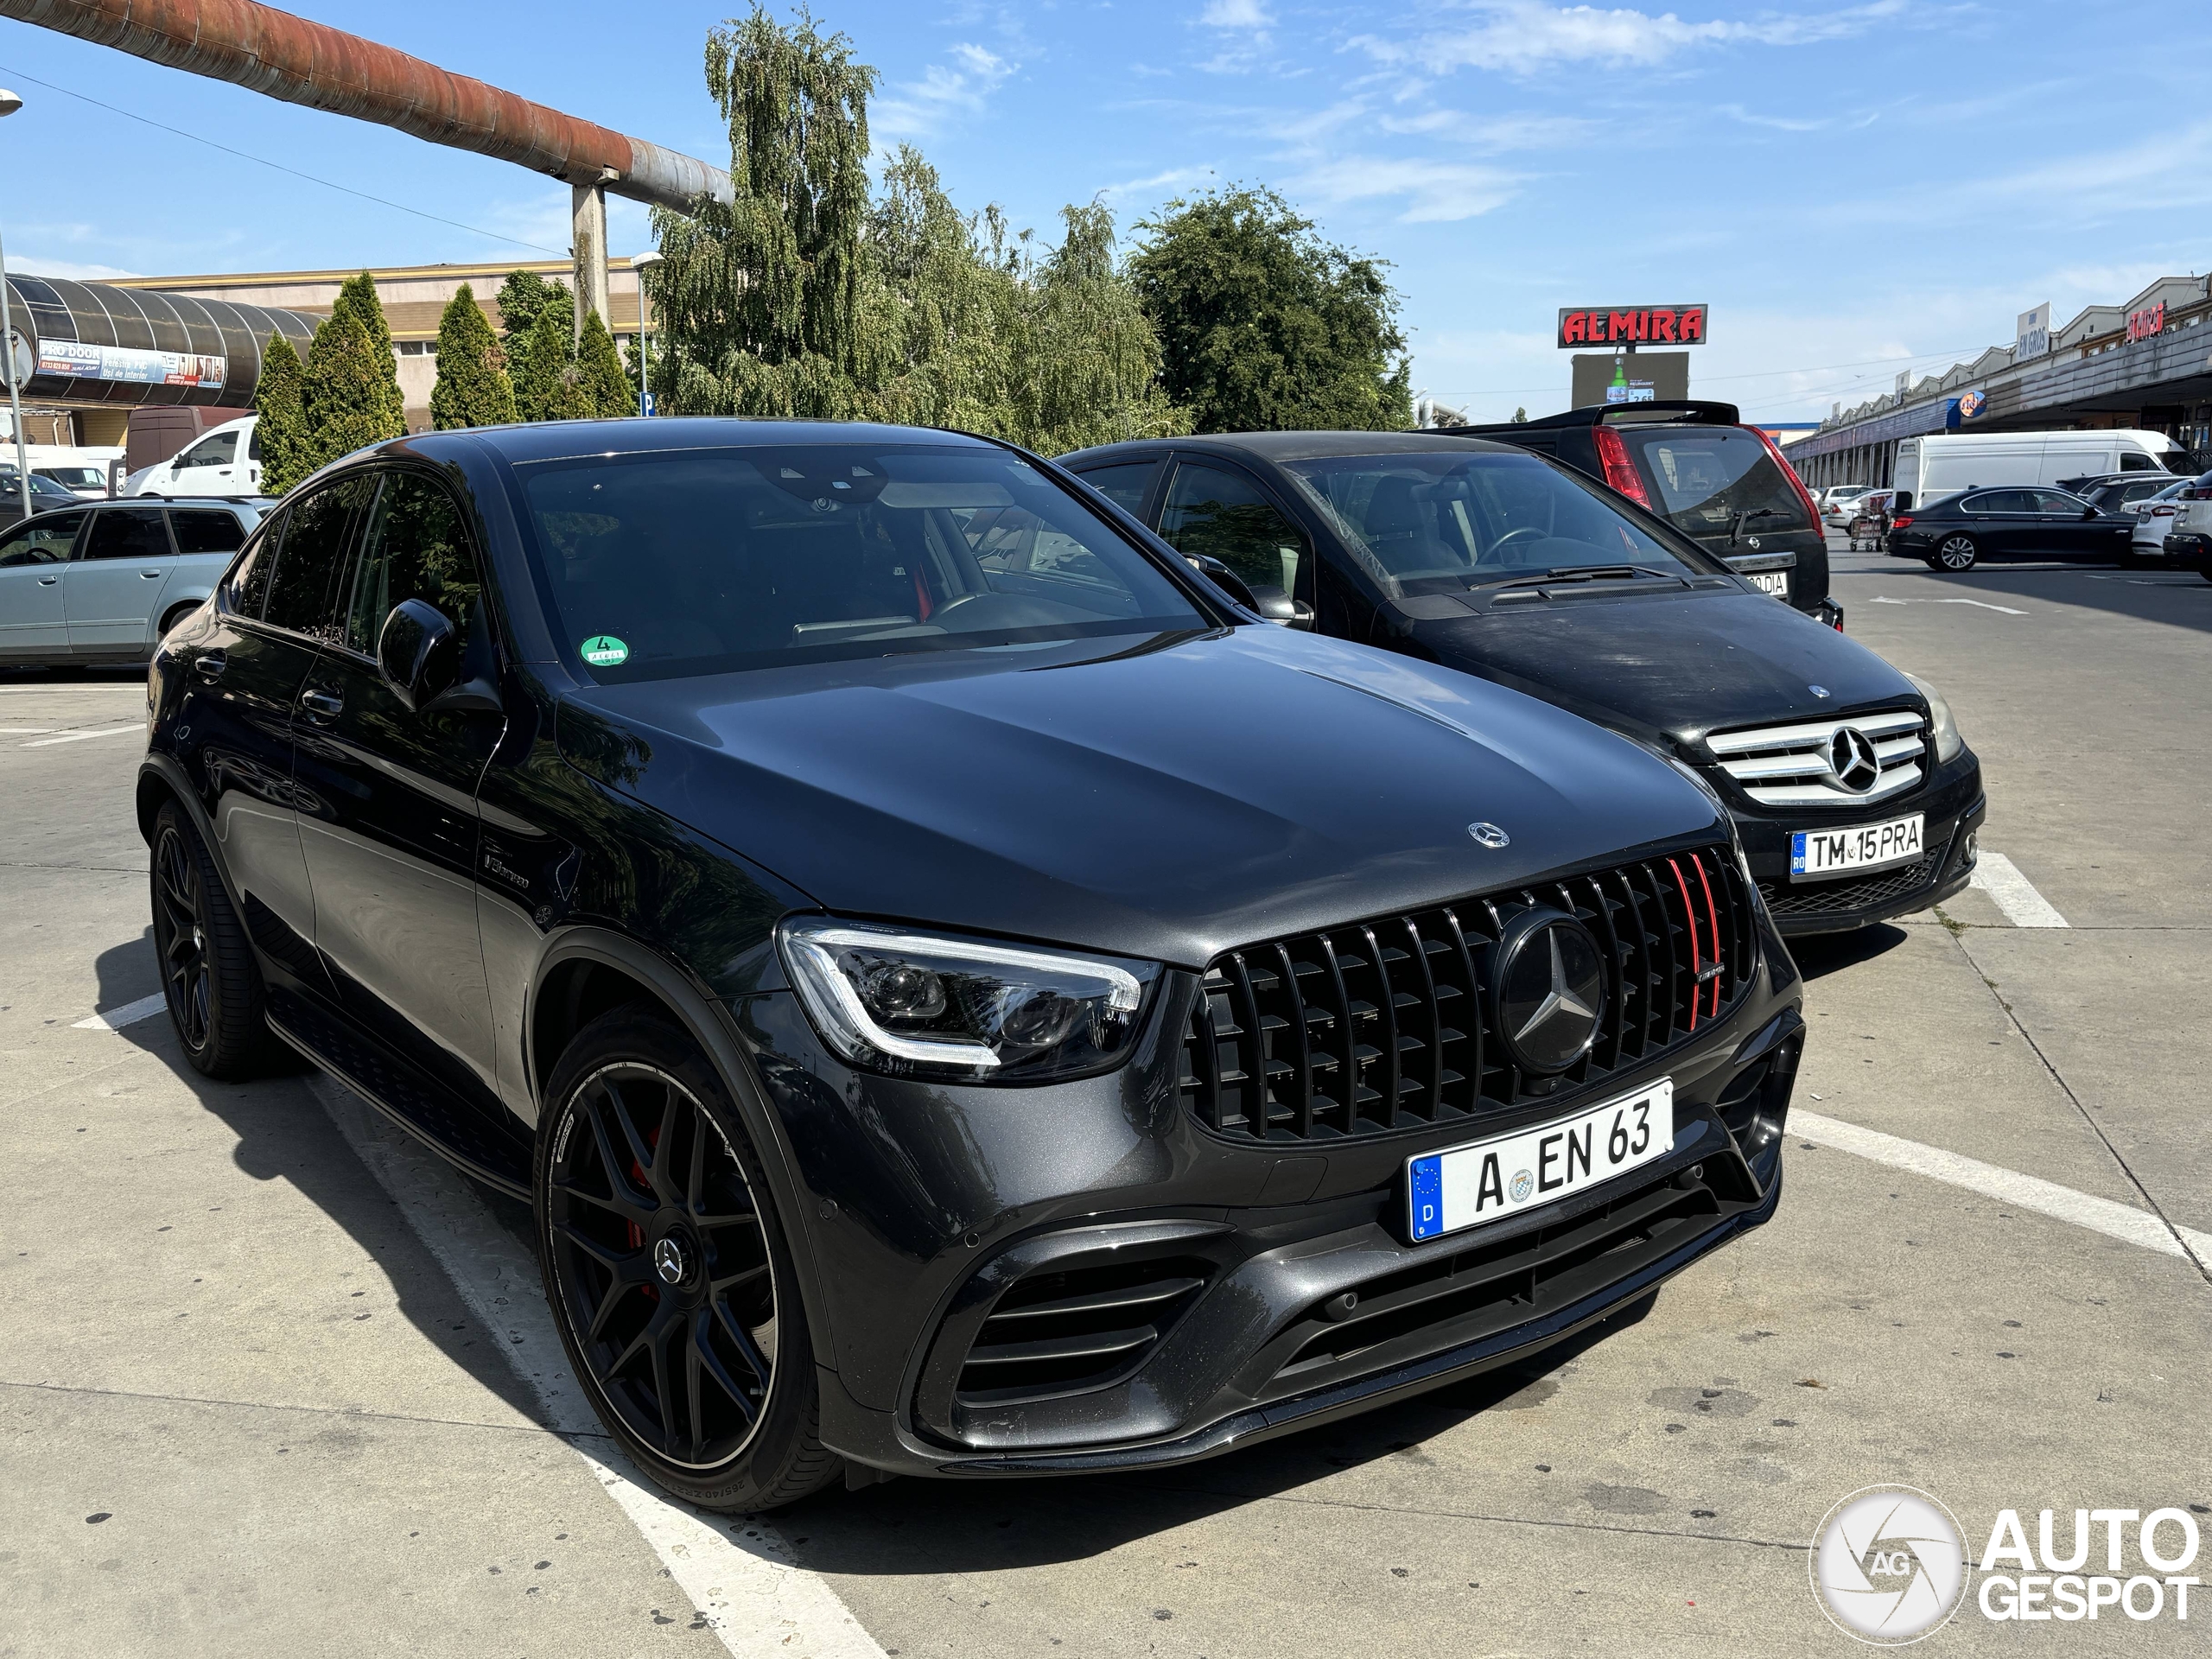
[[1224, 578], [419, 651], [2088, 512], [1277, 606]]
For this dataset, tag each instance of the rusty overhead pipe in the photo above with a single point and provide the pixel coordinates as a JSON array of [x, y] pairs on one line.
[[274, 52]]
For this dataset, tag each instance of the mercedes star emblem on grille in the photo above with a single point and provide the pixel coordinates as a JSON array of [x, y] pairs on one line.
[[1489, 834], [1551, 990], [1851, 758]]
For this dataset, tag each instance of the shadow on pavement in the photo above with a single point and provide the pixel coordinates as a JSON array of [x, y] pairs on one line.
[[282, 1133], [918, 1526], [1822, 954], [2180, 599]]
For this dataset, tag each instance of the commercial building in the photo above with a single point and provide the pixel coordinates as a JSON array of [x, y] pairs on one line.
[[2146, 364]]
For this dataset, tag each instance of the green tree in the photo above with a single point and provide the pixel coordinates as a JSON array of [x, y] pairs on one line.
[[357, 298], [521, 297], [545, 379], [759, 301], [286, 455], [473, 388], [1520, 416], [600, 377], [1264, 326], [343, 391]]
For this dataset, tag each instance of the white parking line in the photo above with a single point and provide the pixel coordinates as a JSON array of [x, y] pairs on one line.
[[78, 737], [2119, 1221], [738, 1571], [128, 1014], [1884, 599], [1997, 875], [23, 731]]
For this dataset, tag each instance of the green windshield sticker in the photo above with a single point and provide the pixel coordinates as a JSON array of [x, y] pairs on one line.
[[605, 651]]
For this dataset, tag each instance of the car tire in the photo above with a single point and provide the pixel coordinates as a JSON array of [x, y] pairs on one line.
[[670, 1273], [1953, 555], [209, 978]]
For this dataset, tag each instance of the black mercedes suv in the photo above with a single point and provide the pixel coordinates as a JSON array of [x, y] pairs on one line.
[[1852, 793], [961, 996]]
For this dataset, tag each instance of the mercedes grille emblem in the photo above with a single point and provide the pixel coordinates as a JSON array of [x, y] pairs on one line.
[[1489, 834], [668, 1262], [1851, 758], [1551, 990]]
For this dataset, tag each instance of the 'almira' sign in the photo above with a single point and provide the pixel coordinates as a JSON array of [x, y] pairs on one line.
[[1637, 325]]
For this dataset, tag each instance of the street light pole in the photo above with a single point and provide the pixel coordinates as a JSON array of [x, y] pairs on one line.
[[641, 264], [8, 104]]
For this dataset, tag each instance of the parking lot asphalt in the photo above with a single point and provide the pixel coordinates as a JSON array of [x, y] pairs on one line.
[[246, 1406]]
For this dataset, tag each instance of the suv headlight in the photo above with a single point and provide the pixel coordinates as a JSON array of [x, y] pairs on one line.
[[910, 1003], [1948, 743]]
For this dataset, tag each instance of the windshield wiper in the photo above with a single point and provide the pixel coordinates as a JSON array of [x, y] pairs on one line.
[[1736, 524], [1572, 573]]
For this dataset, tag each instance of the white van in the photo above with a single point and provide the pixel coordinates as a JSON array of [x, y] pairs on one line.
[[1936, 466], [77, 467], [225, 460]]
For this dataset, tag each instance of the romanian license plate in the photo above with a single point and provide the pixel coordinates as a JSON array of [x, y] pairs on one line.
[[1770, 581], [1869, 847], [1473, 1185]]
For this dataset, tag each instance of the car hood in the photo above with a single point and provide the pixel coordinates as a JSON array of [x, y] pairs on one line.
[[1168, 801], [1670, 667]]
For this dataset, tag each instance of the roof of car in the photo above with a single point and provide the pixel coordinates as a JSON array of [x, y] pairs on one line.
[[1299, 446], [567, 440]]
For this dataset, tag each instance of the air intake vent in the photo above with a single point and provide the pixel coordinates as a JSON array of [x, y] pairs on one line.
[[1062, 1332], [1385, 1024]]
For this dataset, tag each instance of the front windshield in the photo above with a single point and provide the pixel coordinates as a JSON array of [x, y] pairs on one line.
[[77, 478], [705, 561], [1430, 523]]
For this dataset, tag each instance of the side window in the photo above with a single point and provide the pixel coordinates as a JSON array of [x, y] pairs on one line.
[[2131, 462], [2053, 501], [1999, 501], [1214, 512], [127, 533], [217, 451], [206, 531], [249, 586], [304, 593], [253, 443], [1125, 484], [415, 547], [44, 540]]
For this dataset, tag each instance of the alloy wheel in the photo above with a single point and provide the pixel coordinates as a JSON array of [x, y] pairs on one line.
[[181, 936], [661, 1265], [1957, 553]]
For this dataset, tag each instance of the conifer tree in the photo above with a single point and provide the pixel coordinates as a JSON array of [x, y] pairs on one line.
[[545, 379], [357, 298], [281, 431], [344, 390], [605, 386], [473, 388]]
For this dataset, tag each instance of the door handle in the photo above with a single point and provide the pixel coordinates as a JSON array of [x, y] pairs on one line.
[[149, 576], [320, 704], [47, 582], [209, 665]]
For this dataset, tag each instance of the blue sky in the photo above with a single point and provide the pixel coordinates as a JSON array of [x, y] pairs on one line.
[[1854, 189]]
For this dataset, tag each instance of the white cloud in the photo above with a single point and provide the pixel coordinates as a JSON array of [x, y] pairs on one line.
[[1236, 14], [1159, 184], [946, 91], [1494, 134], [33, 264], [1435, 192], [1523, 36]]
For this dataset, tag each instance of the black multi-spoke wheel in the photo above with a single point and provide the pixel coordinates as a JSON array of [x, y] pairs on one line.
[[208, 976], [669, 1274]]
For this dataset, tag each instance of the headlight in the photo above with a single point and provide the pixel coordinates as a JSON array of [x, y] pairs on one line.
[[1948, 743], [936, 1005]]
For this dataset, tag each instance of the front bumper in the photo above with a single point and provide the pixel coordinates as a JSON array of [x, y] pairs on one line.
[[1953, 807], [933, 1210]]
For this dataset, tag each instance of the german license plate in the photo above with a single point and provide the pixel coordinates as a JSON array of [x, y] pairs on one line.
[[1869, 847], [1770, 581], [1475, 1184]]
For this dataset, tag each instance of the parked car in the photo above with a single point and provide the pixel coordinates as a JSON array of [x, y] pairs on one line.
[[2189, 541], [1956, 533], [226, 461], [82, 480], [1523, 572], [2154, 517], [1721, 483], [1836, 501], [961, 995], [2119, 492], [45, 495], [1943, 463], [102, 583]]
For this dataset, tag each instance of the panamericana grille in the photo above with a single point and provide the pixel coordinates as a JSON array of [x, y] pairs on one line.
[[1792, 766], [1835, 898], [1385, 1024]]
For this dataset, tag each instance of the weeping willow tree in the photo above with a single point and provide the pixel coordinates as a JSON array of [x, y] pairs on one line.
[[811, 295]]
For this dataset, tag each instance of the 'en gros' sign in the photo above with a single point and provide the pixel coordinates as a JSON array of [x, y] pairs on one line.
[[1635, 325]]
